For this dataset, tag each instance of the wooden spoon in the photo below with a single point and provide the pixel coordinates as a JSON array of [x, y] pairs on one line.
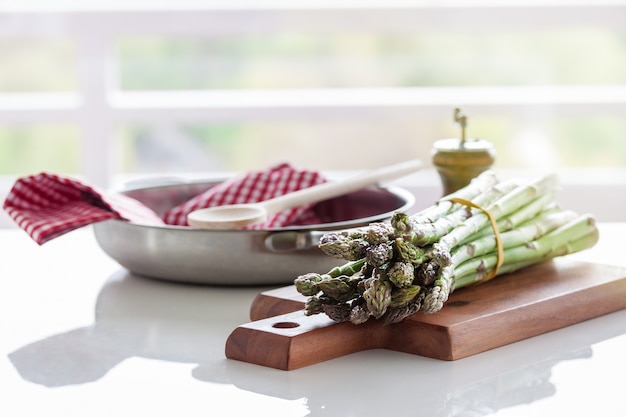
[[235, 216]]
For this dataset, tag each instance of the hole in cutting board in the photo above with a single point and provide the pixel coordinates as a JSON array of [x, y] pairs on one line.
[[285, 325]]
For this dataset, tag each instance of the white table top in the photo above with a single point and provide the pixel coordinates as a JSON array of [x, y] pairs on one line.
[[82, 337]]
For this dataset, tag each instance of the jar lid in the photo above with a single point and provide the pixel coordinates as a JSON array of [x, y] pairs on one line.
[[458, 145]]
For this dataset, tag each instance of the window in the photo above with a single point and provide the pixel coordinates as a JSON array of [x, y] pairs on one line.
[[106, 90]]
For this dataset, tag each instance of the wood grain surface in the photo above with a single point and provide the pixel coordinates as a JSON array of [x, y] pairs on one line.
[[513, 307]]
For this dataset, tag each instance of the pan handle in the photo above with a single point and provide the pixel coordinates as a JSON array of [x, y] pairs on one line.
[[290, 241]]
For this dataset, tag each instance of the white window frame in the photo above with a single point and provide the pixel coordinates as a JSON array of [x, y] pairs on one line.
[[98, 107]]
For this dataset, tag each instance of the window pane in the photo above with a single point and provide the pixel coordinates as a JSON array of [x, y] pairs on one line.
[[31, 149], [292, 60], [562, 142], [559, 142], [29, 64]]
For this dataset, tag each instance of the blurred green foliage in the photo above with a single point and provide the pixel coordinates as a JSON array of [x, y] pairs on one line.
[[30, 149], [37, 65], [340, 60], [363, 60]]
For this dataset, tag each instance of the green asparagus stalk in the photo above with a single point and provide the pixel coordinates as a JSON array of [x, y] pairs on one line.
[[422, 234], [440, 291], [308, 284], [543, 204], [478, 186], [582, 243], [377, 296], [574, 236], [577, 234], [541, 225], [505, 205]]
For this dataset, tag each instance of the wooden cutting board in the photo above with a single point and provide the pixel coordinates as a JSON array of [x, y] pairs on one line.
[[510, 308]]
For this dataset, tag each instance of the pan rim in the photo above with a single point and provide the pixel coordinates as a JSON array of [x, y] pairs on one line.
[[405, 195]]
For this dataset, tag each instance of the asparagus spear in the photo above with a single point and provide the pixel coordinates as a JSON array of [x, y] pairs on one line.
[[532, 230], [505, 205], [478, 186], [309, 284], [577, 234], [421, 234]]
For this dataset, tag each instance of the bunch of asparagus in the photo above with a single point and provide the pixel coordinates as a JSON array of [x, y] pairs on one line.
[[488, 228]]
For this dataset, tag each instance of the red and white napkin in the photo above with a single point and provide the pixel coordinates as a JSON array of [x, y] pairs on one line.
[[252, 188], [48, 205]]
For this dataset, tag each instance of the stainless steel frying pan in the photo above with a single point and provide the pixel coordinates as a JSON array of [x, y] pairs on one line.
[[237, 257]]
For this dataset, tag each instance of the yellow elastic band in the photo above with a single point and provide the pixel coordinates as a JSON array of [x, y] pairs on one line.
[[496, 233]]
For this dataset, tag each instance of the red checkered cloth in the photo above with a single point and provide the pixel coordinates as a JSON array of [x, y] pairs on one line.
[[48, 205], [252, 188]]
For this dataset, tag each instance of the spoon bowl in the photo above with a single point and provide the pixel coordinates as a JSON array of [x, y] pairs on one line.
[[232, 216]]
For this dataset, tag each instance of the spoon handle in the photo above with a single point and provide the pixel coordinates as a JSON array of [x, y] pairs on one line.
[[333, 189]]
